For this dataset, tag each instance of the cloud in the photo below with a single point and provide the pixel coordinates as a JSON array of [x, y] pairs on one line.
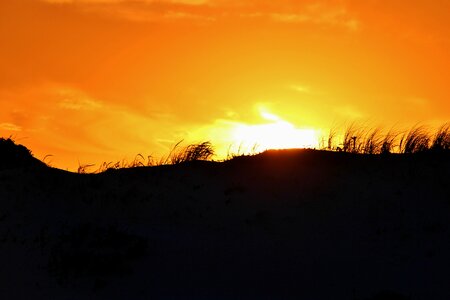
[[79, 104], [306, 90], [148, 15], [319, 14], [301, 89], [76, 100], [10, 127], [187, 2], [141, 10], [333, 13], [350, 112]]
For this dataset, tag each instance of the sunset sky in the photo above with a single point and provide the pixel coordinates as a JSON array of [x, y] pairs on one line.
[[89, 81]]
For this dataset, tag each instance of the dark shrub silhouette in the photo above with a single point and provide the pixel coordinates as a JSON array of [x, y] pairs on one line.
[[441, 140], [16, 156]]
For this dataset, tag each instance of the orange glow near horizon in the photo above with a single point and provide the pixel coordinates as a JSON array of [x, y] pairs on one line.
[[103, 80], [277, 134]]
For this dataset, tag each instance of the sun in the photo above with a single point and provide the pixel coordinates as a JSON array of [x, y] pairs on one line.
[[275, 134]]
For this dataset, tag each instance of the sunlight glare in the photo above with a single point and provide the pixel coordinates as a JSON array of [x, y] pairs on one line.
[[278, 134]]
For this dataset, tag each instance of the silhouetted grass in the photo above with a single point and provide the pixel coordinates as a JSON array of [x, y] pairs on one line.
[[441, 140], [331, 137], [359, 139], [388, 143], [373, 142], [177, 155], [241, 151], [363, 140], [138, 161], [349, 142], [415, 141], [355, 139], [193, 152], [83, 168]]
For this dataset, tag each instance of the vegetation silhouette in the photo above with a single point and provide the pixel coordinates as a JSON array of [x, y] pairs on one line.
[[13, 155], [361, 139], [360, 224], [357, 139], [290, 224]]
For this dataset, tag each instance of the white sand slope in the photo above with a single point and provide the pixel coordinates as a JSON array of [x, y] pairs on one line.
[[298, 224]]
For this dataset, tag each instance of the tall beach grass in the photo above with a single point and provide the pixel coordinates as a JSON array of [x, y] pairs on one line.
[[355, 138], [362, 139]]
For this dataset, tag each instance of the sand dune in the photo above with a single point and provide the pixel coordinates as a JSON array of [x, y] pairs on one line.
[[288, 224]]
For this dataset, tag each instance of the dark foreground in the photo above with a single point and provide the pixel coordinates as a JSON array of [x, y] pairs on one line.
[[281, 225]]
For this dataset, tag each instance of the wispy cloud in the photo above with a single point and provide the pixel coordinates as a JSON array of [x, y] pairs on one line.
[[188, 2], [306, 89], [283, 11], [318, 13], [349, 111], [10, 127], [142, 10], [79, 104], [76, 100], [301, 89]]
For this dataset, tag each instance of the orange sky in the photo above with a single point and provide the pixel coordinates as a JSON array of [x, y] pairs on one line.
[[100, 80]]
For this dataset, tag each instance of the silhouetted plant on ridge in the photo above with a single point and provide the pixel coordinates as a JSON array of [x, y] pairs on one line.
[[373, 142], [193, 152], [83, 168], [13, 155], [388, 142], [353, 139], [363, 140], [441, 140], [356, 139], [242, 151], [414, 141], [331, 137]]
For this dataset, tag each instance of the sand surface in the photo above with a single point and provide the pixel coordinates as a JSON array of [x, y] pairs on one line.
[[298, 224]]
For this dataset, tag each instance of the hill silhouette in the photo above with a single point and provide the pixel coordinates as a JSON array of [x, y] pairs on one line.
[[285, 224], [13, 155]]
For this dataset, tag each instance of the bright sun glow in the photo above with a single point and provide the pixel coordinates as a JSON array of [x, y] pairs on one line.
[[278, 134]]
